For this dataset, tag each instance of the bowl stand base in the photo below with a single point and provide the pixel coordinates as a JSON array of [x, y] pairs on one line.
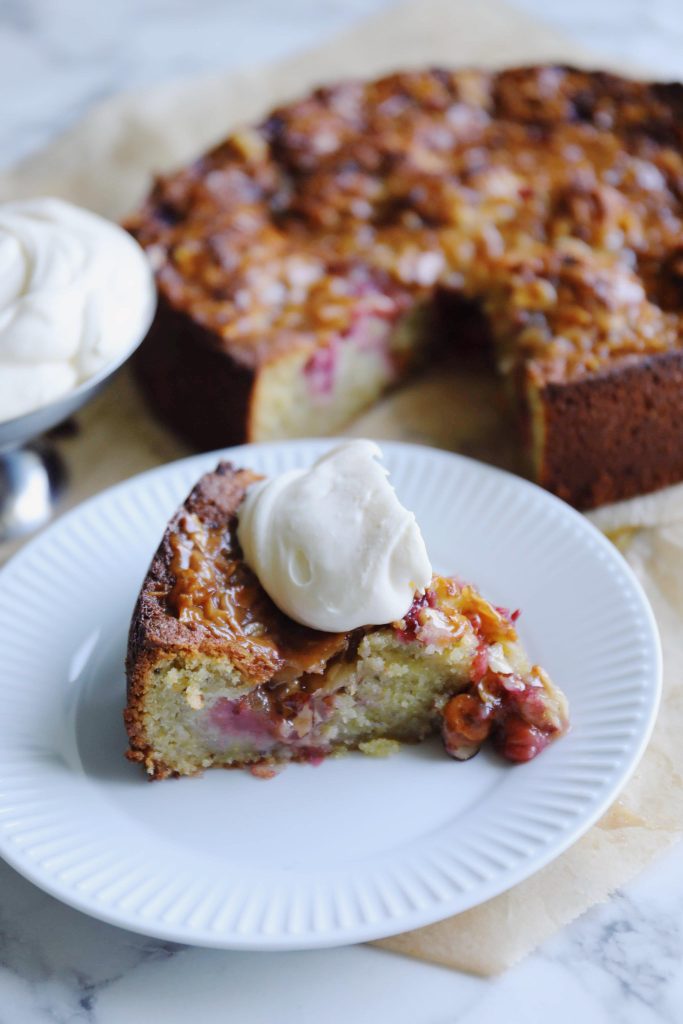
[[31, 480]]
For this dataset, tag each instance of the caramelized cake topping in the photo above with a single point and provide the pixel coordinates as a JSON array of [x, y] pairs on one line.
[[215, 588], [551, 195]]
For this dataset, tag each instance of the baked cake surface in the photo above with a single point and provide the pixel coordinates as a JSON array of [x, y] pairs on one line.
[[299, 264], [217, 675]]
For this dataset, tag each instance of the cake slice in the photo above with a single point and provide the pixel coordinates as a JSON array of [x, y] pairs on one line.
[[218, 676]]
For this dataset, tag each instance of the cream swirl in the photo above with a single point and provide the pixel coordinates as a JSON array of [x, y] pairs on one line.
[[75, 292], [332, 545]]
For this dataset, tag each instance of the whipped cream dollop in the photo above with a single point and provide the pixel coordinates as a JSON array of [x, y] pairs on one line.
[[332, 545], [76, 292]]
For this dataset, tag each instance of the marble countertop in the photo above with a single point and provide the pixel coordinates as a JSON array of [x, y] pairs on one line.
[[621, 963], [56, 59]]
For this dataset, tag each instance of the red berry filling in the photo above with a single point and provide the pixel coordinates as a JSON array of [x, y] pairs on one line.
[[520, 714], [320, 370], [411, 623], [519, 717]]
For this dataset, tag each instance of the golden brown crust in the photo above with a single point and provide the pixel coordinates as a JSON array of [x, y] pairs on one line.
[[615, 434], [181, 369]]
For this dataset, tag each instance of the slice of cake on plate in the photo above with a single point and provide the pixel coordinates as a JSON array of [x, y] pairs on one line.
[[219, 675]]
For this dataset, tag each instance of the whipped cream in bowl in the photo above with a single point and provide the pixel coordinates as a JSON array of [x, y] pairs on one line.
[[332, 545], [77, 296]]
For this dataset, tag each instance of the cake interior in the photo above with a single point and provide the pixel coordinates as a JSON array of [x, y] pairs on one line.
[[200, 713], [304, 394], [307, 393]]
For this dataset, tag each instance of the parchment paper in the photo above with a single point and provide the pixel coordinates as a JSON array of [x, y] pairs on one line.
[[105, 163]]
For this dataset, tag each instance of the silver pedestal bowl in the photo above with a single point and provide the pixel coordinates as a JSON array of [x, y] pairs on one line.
[[32, 475]]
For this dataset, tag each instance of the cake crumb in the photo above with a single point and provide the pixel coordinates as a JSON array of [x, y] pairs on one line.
[[380, 747], [265, 771], [194, 696]]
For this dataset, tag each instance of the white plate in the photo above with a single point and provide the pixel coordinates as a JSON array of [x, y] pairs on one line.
[[357, 848]]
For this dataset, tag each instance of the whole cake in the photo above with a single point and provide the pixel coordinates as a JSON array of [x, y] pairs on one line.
[[220, 676], [308, 263]]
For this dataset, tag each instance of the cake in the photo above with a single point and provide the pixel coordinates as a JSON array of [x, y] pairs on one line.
[[219, 676], [310, 262]]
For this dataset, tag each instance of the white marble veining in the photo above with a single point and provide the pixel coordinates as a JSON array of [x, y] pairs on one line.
[[57, 57], [621, 963]]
